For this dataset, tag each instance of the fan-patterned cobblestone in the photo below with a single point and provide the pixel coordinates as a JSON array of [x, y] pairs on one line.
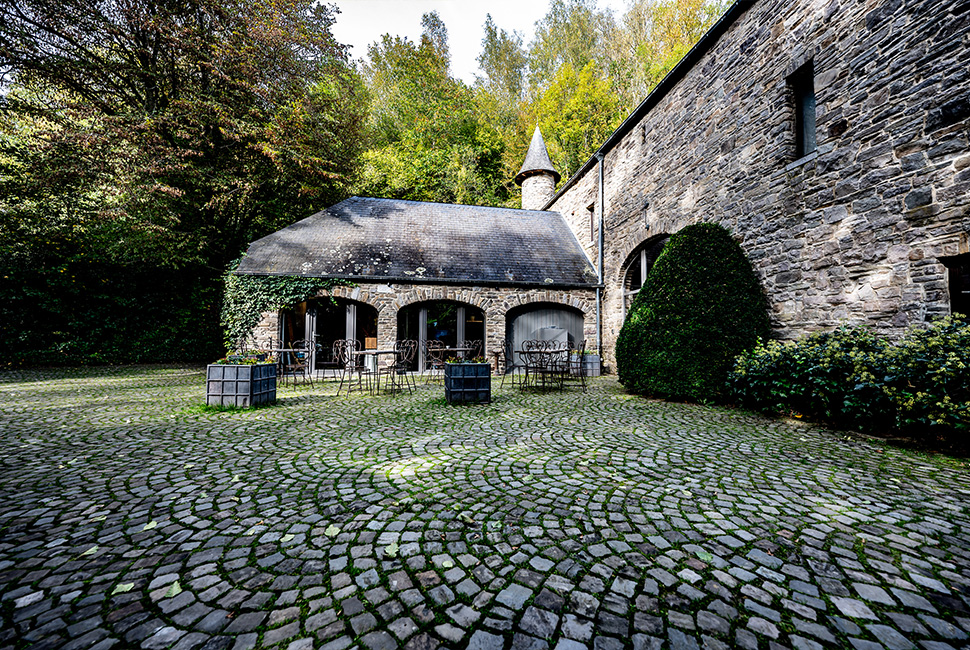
[[132, 517]]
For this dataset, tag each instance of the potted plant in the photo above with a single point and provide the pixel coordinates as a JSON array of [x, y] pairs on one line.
[[241, 380], [468, 381], [591, 362]]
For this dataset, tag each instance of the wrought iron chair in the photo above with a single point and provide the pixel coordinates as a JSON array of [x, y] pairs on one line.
[[576, 365], [345, 351], [296, 363], [435, 358], [474, 348], [398, 371], [508, 363]]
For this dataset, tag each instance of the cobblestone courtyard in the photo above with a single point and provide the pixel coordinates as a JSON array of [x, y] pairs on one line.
[[131, 517]]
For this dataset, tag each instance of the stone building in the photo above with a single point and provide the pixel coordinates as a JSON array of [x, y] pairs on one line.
[[434, 271], [830, 136]]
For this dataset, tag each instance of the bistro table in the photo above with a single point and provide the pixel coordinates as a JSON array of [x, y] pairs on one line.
[[370, 357]]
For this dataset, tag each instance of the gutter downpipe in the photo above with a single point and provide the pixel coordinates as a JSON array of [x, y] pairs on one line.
[[601, 200]]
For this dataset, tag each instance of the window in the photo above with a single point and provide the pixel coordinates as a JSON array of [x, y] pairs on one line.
[[958, 279], [638, 267], [591, 209], [802, 84]]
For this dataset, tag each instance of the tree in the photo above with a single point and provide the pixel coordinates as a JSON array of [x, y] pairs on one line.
[[653, 37], [577, 112], [429, 141], [164, 137], [504, 62], [573, 32]]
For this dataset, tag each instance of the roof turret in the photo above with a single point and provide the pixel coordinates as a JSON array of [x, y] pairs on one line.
[[537, 160]]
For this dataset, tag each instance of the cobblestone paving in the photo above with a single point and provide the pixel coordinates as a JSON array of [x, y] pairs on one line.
[[131, 517]]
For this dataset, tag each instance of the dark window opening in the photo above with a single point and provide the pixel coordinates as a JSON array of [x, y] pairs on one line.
[[802, 84], [958, 280], [591, 209]]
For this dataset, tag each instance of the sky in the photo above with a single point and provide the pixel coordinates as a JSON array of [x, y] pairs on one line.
[[361, 22]]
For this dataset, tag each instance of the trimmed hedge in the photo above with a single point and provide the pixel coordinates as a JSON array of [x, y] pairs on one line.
[[854, 379], [700, 307]]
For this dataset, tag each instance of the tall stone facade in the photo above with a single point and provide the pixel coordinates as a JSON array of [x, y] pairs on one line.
[[858, 230]]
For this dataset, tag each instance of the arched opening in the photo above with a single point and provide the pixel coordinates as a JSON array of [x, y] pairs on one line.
[[545, 322], [328, 321], [637, 267], [446, 321]]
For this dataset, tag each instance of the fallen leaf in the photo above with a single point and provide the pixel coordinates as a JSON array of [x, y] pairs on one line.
[[331, 531], [90, 551], [285, 538], [174, 590], [705, 556], [391, 549], [151, 524], [121, 589], [447, 564]]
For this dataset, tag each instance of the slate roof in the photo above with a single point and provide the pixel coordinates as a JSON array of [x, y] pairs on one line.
[[537, 160], [383, 240]]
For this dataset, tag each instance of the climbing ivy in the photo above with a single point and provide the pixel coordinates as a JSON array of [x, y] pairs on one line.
[[247, 297]]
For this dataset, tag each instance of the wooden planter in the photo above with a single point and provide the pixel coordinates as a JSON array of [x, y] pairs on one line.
[[468, 383], [240, 386]]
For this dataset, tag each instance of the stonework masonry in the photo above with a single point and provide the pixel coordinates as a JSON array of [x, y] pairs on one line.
[[853, 232], [496, 302], [537, 190]]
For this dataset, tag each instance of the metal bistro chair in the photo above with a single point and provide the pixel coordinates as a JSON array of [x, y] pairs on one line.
[[509, 365], [576, 365], [474, 348], [435, 357], [398, 371], [296, 363], [344, 351]]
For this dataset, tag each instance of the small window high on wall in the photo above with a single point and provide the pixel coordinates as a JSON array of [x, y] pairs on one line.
[[802, 84]]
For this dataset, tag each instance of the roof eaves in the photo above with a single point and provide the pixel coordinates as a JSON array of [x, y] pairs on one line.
[[380, 279], [660, 90]]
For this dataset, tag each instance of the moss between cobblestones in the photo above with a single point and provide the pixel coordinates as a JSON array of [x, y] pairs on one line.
[[545, 476]]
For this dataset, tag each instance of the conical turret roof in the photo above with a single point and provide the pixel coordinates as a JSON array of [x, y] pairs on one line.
[[537, 160]]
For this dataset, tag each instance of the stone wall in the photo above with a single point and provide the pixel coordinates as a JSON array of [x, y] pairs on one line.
[[537, 190], [852, 232], [389, 299]]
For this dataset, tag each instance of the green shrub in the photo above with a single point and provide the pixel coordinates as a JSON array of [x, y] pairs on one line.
[[852, 378], [823, 375], [700, 307], [927, 377]]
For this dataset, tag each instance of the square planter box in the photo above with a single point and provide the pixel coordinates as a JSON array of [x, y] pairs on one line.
[[468, 383], [240, 386], [591, 362]]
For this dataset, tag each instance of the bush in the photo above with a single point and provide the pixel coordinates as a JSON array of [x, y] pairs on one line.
[[926, 377], [700, 307], [852, 378], [823, 375]]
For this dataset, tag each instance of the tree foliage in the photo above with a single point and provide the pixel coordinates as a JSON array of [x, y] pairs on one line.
[[155, 140], [430, 140]]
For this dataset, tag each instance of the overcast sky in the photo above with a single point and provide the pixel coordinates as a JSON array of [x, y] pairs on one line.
[[361, 22]]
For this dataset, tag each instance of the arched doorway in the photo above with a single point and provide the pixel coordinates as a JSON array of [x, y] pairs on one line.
[[637, 267], [331, 320], [543, 321], [442, 320]]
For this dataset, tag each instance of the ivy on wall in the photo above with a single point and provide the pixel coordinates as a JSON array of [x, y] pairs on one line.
[[247, 297]]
